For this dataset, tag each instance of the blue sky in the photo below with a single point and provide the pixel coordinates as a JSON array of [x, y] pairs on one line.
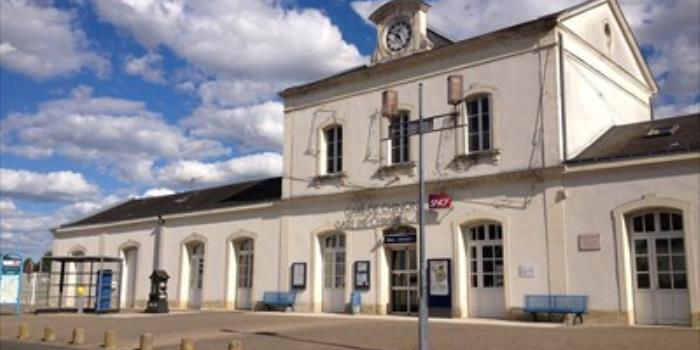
[[103, 101]]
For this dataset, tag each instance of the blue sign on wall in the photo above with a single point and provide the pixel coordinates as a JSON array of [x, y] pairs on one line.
[[404, 238]]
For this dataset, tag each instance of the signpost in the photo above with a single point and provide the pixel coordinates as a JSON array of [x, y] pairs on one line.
[[11, 280], [390, 108]]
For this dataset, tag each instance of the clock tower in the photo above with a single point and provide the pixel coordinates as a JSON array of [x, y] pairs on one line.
[[402, 29]]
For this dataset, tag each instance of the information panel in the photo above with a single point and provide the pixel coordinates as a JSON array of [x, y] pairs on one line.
[[10, 279]]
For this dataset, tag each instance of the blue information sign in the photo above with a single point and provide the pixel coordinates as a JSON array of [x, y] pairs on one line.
[[403, 238], [11, 280]]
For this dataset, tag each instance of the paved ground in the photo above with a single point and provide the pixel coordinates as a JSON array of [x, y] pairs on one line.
[[262, 331]]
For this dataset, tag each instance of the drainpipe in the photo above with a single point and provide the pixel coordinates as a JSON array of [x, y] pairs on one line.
[[617, 267], [562, 99]]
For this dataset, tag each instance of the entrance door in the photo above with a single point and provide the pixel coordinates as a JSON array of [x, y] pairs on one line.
[[659, 269], [129, 277], [244, 256], [485, 250], [196, 253], [404, 280], [334, 273]]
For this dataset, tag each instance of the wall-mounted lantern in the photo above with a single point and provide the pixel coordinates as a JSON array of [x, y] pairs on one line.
[[390, 103], [455, 89]]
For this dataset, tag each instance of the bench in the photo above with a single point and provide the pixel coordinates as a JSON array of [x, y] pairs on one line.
[[279, 299], [557, 304]]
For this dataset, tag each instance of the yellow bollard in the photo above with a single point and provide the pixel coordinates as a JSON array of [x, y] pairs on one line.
[[23, 332], [235, 345], [49, 334], [187, 343], [78, 337], [146, 341], [110, 340]]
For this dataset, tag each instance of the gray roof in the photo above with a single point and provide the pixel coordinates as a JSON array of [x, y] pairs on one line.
[[232, 195], [646, 139]]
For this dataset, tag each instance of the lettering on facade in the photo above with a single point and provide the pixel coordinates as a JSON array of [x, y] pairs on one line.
[[369, 214]]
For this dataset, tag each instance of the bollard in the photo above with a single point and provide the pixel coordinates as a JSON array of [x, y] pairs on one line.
[[235, 345], [110, 340], [146, 341], [187, 343], [23, 332], [78, 336], [49, 334]]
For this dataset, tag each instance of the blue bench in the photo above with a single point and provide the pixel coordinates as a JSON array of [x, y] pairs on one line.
[[279, 299], [557, 304]]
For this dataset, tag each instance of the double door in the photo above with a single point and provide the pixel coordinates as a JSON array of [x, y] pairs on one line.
[[334, 273], [404, 281], [486, 297], [244, 283], [660, 281], [196, 255]]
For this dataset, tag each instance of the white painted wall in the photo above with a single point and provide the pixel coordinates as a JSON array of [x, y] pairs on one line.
[[520, 78], [603, 83]]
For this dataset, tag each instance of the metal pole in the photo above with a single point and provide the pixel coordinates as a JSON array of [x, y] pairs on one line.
[[423, 307]]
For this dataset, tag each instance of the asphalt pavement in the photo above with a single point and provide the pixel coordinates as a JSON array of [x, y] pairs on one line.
[[270, 330]]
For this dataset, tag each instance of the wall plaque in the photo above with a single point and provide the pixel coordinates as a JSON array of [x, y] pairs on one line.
[[589, 242], [526, 271]]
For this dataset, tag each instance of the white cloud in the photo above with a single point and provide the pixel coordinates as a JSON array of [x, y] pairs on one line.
[[254, 127], [227, 93], [121, 135], [461, 19], [198, 174], [671, 27], [157, 192], [43, 42], [147, 67], [64, 186], [674, 110], [28, 231], [241, 39]]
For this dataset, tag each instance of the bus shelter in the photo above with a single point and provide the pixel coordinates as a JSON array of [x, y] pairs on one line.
[[82, 284]]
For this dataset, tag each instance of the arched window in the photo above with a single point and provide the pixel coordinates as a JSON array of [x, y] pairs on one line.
[[398, 134], [334, 149], [479, 122]]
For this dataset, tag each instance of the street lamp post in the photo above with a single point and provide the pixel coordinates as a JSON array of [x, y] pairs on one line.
[[423, 307], [390, 102]]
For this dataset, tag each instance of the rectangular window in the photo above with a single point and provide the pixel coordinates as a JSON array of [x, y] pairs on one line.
[[398, 133], [479, 121], [334, 150]]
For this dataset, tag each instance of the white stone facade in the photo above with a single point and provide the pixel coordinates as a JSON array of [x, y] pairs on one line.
[[553, 90]]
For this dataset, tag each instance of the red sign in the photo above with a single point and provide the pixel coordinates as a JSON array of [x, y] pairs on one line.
[[439, 201]]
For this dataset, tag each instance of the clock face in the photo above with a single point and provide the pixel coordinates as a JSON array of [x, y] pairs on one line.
[[398, 35]]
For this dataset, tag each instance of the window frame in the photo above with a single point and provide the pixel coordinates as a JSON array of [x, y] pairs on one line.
[[483, 135], [399, 121], [332, 156]]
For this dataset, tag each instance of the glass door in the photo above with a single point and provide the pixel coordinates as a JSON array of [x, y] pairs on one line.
[[404, 281], [244, 274]]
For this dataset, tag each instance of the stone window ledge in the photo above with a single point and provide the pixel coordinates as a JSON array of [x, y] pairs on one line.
[[337, 179]]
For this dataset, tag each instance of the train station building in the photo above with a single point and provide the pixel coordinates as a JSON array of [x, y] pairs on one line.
[[552, 175]]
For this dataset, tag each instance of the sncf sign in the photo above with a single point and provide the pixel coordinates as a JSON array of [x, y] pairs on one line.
[[439, 201]]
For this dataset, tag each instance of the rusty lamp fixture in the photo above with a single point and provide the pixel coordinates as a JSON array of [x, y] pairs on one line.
[[390, 103], [455, 89]]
